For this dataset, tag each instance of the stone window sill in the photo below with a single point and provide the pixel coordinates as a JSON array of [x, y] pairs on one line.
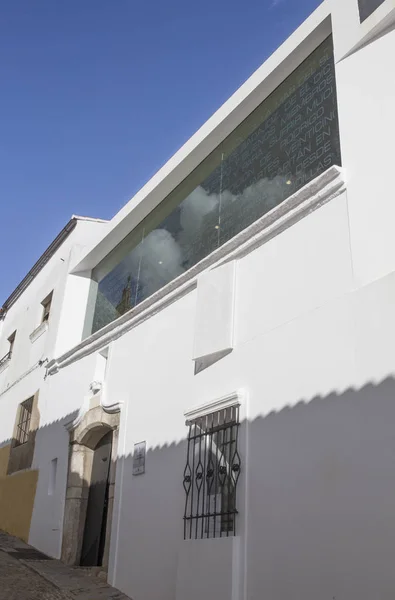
[[38, 331]]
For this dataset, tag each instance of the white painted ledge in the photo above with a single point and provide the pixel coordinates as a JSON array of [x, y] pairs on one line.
[[38, 332], [5, 365], [232, 399], [312, 196]]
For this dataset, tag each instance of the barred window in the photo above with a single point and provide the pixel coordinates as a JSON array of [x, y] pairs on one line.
[[23, 426], [211, 474]]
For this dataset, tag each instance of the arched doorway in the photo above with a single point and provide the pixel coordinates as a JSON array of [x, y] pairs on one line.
[[94, 538], [90, 488]]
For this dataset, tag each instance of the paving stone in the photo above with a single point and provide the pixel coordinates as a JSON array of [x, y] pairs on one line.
[[27, 574], [18, 582]]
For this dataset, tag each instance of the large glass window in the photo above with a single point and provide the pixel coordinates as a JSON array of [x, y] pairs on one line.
[[292, 137]]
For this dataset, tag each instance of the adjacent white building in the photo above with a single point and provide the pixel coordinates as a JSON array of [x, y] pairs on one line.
[[216, 418], [42, 317]]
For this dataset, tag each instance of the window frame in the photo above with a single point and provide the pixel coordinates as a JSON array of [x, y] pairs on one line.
[[11, 341], [211, 473], [47, 305], [23, 424], [4, 360]]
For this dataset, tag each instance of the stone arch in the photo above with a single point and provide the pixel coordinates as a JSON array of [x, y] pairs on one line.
[[85, 432]]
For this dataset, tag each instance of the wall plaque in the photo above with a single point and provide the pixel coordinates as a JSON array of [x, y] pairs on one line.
[[139, 458]]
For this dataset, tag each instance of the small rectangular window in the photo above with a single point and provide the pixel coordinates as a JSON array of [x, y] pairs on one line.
[[4, 359], [23, 425], [11, 341], [47, 307], [211, 474]]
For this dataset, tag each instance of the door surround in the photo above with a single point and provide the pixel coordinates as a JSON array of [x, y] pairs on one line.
[[85, 432]]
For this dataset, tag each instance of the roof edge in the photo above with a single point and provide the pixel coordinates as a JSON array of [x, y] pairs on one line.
[[92, 219], [281, 63], [43, 260]]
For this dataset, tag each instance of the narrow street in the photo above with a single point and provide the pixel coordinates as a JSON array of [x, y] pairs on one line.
[[26, 574]]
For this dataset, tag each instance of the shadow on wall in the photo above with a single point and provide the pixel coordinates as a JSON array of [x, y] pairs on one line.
[[322, 498], [320, 503]]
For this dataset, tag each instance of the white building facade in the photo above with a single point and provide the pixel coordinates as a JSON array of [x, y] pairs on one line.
[[217, 421]]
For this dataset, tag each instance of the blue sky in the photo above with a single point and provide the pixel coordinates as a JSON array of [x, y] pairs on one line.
[[96, 95]]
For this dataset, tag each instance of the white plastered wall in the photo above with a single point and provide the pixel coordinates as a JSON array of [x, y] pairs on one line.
[[312, 348]]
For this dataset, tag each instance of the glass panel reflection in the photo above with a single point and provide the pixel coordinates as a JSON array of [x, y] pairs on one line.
[[286, 142]]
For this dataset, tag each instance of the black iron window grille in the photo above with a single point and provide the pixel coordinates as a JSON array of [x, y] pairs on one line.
[[23, 425], [211, 474]]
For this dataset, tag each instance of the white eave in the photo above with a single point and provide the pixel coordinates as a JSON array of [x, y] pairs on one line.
[[91, 219]]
